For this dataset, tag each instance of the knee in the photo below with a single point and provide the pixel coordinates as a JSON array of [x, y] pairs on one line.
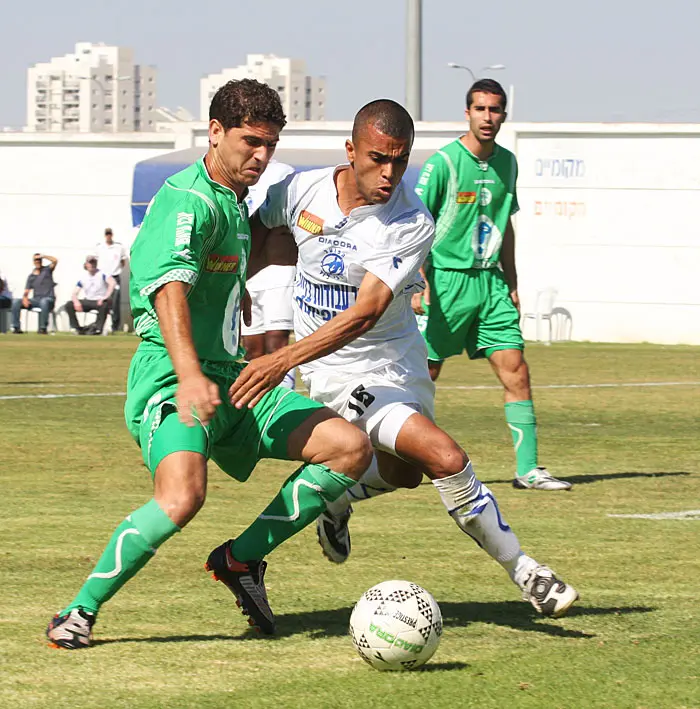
[[356, 454], [448, 460], [183, 505]]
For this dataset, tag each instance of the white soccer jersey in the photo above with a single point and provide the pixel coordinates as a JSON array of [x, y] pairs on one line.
[[272, 276], [389, 240]]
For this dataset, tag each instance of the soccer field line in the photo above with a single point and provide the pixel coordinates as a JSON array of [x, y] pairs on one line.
[[617, 385]]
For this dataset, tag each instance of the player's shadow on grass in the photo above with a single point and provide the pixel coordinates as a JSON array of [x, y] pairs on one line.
[[585, 479], [334, 623], [511, 614]]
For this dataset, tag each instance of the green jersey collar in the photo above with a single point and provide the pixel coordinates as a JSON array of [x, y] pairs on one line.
[[201, 166], [473, 157]]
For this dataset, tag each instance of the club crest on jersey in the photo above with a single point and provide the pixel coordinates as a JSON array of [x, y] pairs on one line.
[[466, 197], [333, 264], [310, 222], [221, 264]]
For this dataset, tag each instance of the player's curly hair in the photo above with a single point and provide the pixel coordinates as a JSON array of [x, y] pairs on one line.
[[246, 101]]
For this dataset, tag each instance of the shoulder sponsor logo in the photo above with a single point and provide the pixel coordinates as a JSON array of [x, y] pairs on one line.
[[466, 197], [221, 264], [183, 228], [310, 222]]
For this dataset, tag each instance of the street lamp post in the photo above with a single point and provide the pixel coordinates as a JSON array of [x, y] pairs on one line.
[[102, 88], [491, 67]]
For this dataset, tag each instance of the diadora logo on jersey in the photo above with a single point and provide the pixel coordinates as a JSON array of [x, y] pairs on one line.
[[333, 264], [183, 228], [337, 243], [222, 264], [310, 222], [466, 197], [397, 261]]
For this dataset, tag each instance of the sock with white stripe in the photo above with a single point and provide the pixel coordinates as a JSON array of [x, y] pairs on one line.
[[131, 547], [520, 417], [475, 510], [299, 502], [371, 484], [290, 379]]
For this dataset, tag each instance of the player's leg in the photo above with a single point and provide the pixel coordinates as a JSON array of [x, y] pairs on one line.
[[176, 456], [254, 346], [285, 426], [498, 337], [475, 510], [276, 340], [278, 316]]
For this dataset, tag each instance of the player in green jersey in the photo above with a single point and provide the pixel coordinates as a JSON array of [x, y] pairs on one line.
[[188, 271], [471, 299]]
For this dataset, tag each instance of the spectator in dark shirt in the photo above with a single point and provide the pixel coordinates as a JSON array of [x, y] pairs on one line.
[[41, 284]]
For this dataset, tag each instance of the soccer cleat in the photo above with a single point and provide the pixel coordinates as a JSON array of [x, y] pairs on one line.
[[549, 596], [72, 631], [246, 583], [539, 479], [334, 535]]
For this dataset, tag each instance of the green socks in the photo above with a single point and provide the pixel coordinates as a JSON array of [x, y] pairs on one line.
[[520, 417], [299, 502], [132, 545]]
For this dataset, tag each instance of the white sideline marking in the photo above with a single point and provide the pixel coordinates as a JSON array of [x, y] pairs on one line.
[[686, 514], [61, 396], [618, 385]]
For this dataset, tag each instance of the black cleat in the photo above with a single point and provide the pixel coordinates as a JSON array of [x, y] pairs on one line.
[[72, 631], [334, 535], [246, 583]]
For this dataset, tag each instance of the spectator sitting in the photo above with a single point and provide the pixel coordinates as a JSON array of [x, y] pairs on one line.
[[40, 282], [5, 294], [97, 288]]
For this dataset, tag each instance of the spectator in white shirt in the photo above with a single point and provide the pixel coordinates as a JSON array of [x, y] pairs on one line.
[[97, 288], [111, 259]]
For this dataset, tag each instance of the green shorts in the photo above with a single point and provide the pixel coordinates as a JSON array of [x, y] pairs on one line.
[[469, 310], [235, 439]]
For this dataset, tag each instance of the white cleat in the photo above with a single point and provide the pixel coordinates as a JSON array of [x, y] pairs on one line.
[[549, 595], [539, 479]]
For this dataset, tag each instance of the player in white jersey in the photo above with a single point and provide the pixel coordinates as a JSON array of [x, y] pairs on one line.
[[361, 236], [271, 289]]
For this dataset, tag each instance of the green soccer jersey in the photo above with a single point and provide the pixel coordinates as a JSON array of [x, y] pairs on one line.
[[196, 231], [471, 201]]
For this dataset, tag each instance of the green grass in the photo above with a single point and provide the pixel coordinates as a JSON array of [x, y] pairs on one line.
[[172, 638]]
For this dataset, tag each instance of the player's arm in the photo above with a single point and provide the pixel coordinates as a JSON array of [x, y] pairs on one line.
[[196, 395], [508, 263], [166, 258], [262, 374]]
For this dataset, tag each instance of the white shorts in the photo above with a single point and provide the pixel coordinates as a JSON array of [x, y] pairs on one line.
[[368, 399], [272, 293]]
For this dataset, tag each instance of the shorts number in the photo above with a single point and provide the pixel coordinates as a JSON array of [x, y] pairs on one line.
[[361, 395]]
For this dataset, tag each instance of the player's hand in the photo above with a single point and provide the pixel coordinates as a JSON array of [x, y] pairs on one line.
[[197, 398], [78, 306], [247, 308], [417, 303], [516, 300], [260, 376]]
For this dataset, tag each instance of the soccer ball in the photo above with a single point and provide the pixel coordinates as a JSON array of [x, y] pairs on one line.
[[396, 625]]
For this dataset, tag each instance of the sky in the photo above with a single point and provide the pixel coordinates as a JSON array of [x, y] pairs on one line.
[[614, 60]]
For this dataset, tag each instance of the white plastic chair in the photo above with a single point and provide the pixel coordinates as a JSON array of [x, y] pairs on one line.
[[52, 319], [544, 306], [561, 325]]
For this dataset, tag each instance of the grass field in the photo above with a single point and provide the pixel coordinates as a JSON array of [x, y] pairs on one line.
[[172, 638]]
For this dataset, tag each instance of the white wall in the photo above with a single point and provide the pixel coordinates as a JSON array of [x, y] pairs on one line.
[[608, 219], [58, 197]]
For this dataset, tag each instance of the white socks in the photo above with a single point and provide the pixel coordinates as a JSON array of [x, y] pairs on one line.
[[475, 510], [371, 484]]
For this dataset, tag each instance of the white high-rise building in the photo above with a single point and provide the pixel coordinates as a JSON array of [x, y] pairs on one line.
[[303, 97], [96, 89]]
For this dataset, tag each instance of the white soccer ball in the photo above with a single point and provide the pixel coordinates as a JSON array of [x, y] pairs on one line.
[[396, 625]]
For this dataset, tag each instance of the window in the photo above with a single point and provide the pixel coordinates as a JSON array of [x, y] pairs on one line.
[[123, 92], [150, 79], [108, 121], [108, 77], [94, 105], [108, 107]]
